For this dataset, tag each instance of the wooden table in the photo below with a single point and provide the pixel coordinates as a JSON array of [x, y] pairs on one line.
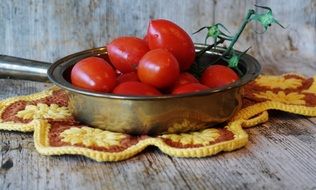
[[281, 154]]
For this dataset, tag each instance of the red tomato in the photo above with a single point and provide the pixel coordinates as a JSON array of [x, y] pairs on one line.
[[167, 35], [125, 53], [189, 88], [136, 88], [127, 77], [93, 73], [118, 73], [185, 78], [158, 68], [145, 38], [218, 75]]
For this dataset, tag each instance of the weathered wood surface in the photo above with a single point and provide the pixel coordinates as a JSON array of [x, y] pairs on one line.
[[281, 154], [48, 30]]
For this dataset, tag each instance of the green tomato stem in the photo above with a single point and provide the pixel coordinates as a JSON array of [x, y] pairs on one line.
[[220, 41], [236, 37], [241, 29], [199, 68]]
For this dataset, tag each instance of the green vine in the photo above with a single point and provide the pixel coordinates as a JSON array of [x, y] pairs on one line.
[[214, 31]]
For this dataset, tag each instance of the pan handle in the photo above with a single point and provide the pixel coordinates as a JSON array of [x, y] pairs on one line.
[[19, 68]]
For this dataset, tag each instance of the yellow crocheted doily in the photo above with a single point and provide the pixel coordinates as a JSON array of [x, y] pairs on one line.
[[56, 132]]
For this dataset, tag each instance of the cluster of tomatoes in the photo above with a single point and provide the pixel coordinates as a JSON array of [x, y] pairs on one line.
[[151, 66]]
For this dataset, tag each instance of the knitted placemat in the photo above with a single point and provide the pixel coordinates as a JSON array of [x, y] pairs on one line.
[[56, 132]]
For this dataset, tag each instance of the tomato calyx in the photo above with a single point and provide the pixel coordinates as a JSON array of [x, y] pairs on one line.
[[229, 54]]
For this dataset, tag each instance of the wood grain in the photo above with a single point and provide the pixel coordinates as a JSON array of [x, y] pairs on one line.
[[49, 30], [281, 154]]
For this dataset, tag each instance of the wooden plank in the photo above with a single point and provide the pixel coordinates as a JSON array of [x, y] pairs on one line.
[[11, 88], [50, 30]]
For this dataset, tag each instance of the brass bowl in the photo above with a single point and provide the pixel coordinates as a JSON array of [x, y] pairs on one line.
[[153, 115]]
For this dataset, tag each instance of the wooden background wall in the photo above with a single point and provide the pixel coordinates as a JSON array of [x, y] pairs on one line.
[[48, 30]]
